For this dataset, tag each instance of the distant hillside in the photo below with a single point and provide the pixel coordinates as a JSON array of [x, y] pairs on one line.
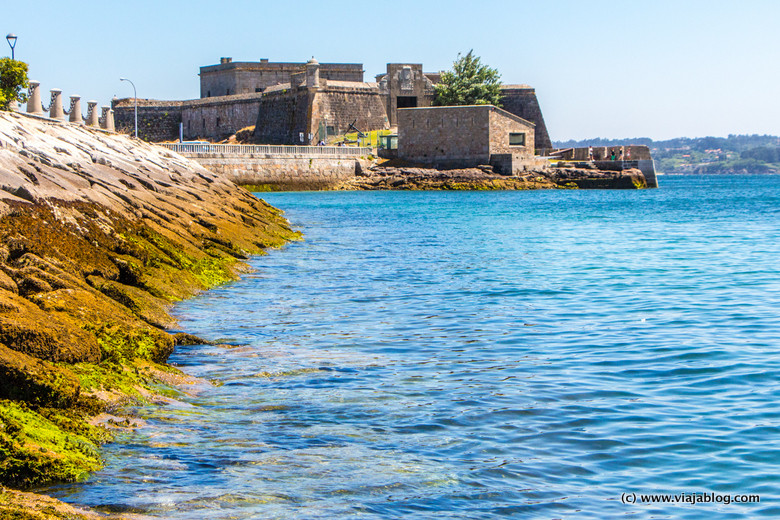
[[732, 154]]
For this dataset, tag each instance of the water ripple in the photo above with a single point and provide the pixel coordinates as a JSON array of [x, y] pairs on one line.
[[479, 355]]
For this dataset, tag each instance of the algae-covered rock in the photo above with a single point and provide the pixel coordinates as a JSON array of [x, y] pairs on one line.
[[37, 382], [139, 301], [99, 234], [26, 328], [483, 178], [119, 343], [587, 178], [19, 505], [185, 339], [34, 450], [7, 283]]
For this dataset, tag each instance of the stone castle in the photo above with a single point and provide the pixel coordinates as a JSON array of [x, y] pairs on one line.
[[301, 103]]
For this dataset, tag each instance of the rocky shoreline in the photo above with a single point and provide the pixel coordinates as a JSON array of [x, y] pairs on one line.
[[383, 177], [101, 234]]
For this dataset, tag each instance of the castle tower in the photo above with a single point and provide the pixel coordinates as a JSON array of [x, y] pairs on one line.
[[313, 73]]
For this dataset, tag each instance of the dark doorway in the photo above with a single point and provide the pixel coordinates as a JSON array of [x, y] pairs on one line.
[[406, 101]]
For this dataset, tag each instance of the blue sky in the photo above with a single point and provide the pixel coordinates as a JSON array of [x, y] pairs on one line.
[[611, 69]]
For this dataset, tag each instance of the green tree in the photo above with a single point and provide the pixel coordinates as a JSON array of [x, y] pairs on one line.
[[13, 82], [468, 83]]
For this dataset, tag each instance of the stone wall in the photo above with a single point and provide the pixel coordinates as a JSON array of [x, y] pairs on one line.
[[444, 136], [506, 158], [502, 124], [229, 77], [337, 107], [212, 119], [521, 101], [463, 137], [282, 116], [157, 120], [600, 153], [279, 173], [219, 118], [632, 156], [408, 82]]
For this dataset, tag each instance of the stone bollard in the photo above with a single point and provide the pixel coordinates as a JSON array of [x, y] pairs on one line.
[[93, 118], [55, 107], [75, 110], [34, 99], [110, 123], [108, 119]]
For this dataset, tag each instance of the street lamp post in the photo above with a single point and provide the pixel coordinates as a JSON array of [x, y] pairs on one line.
[[12, 42], [135, 99]]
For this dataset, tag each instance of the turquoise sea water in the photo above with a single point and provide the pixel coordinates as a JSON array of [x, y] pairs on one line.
[[478, 355]]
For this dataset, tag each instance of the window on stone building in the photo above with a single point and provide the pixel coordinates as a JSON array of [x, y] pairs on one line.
[[228, 92], [517, 139], [406, 102], [208, 93], [217, 122]]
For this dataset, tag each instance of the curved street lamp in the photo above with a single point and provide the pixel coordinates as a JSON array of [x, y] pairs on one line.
[[12, 42], [135, 99]]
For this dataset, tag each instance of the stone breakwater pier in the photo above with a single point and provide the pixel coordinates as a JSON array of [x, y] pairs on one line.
[[280, 167], [99, 235]]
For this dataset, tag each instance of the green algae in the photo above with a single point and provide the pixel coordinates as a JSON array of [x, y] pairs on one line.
[[186, 339], [259, 188], [107, 377], [212, 272], [35, 450], [35, 381], [118, 344], [140, 302], [126, 382], [162, 250], [76, 421], [19, 512], [206, 271], [39, 444], [86, 284], [83, 307], [18, 505]]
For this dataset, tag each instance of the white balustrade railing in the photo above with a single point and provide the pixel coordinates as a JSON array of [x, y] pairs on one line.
[[265, 149]]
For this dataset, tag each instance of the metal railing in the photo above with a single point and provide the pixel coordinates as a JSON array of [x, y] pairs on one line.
[[265, 149]]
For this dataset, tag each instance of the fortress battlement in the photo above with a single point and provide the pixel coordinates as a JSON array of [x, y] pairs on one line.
[[302, 102]]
